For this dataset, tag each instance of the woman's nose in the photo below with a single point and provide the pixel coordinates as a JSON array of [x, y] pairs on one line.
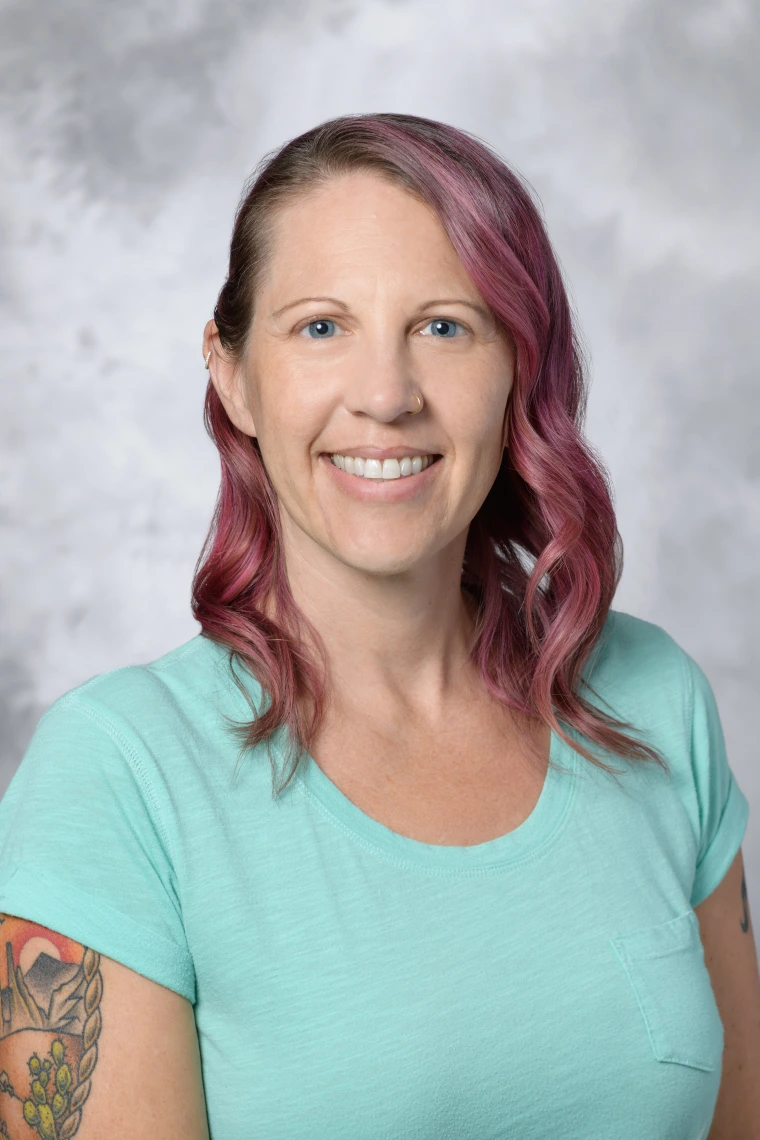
[[382, 383]]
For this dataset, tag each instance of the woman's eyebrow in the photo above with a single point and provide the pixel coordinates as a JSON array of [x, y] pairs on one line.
[[427, 305], [456, 301], [300, 301]]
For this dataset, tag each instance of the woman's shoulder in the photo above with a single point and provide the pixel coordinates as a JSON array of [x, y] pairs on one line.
[[640, 672], [131, 735], [187, 682], [638, 656], [158, 720]]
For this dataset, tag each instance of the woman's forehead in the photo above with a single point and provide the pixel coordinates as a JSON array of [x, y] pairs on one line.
[[357, 226]]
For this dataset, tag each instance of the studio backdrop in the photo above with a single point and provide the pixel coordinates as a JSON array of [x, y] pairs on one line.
[[126, 133]]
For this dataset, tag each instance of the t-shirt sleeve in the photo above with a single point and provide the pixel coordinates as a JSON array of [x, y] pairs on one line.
[[723, 808], [84, 850]]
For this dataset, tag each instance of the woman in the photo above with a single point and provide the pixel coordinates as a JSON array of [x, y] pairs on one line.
[[495, 887]]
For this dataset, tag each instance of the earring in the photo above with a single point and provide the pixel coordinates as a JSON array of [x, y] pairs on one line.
[[208, 357], [419, 400]]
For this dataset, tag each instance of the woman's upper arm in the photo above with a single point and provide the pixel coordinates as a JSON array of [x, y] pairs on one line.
[[731, 959], [89, 1047]]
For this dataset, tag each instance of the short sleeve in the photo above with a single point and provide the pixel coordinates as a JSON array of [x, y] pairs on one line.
[[723, 808], [83, 849]]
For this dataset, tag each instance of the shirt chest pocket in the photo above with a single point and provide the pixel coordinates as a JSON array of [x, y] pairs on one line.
[[666, 967]]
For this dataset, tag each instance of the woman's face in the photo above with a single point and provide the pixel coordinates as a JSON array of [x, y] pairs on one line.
[[365, 303]]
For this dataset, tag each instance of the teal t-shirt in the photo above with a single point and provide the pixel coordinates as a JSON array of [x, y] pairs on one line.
[[351, 983]]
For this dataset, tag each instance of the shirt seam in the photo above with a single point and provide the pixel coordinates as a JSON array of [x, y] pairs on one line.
[[172, 952], [690, 708], [689, 700], [133, 760], [688, 704], [21, 869], [493, 869]]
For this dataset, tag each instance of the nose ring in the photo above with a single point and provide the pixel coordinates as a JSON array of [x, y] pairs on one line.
[[419, 400]]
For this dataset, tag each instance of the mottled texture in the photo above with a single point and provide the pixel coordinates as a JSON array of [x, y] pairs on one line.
[[127, 132]]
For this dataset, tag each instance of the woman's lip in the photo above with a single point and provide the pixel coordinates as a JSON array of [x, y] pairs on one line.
[[382, 452], [380, 490]]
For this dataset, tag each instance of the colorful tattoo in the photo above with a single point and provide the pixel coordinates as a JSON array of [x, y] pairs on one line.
[[50, 1006]]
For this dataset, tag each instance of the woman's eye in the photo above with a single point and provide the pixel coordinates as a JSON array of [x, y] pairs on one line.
[[442, 327], [321, 329]]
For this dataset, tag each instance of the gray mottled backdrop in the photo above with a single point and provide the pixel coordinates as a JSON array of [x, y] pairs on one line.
[[126, 133]]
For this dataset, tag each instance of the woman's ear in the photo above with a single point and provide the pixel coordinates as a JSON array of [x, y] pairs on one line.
[[226, 373]]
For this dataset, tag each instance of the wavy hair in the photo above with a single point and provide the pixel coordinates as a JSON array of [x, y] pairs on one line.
[[543, 555]]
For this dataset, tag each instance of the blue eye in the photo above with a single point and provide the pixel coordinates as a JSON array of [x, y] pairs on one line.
[[443, 327], [320, 329]]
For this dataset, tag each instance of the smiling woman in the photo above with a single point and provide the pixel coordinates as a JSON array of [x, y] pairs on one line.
[[494, 893]]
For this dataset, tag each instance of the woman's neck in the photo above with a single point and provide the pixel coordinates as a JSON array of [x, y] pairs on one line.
[[402, 637]]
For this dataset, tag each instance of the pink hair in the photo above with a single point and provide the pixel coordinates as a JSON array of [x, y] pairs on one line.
[[551, 500]]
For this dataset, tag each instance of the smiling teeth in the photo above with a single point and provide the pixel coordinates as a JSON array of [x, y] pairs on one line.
[[382, 469]]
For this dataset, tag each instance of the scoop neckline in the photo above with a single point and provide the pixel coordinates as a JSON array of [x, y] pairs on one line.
[[524, 841]]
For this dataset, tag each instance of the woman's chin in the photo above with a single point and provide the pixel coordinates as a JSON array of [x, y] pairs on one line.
[[378, 559]]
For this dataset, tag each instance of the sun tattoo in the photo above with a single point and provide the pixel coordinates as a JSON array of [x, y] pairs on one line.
[[50, 1026]]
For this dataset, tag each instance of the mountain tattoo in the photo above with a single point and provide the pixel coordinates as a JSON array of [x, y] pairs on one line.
[[51, 1021]]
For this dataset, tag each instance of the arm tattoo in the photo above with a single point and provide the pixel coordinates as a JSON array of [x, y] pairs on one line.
[[744, 921], [51, 1021]]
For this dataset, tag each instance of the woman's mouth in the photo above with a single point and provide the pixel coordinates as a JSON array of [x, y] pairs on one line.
[[367, 468]]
